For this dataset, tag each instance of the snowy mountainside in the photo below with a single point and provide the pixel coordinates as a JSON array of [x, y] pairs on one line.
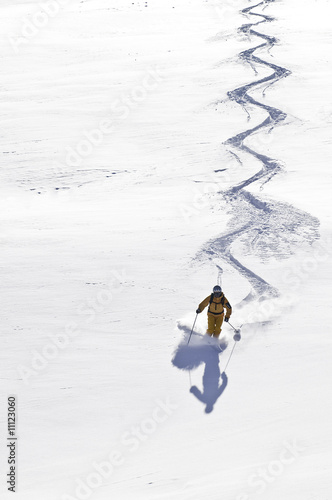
[[134, 163]]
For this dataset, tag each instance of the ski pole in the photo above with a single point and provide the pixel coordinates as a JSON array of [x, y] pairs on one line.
[[231, 354], [237, 333], [236, 330], [192, 330]]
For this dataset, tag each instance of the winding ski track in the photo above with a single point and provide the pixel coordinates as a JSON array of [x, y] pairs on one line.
[[264, 227]]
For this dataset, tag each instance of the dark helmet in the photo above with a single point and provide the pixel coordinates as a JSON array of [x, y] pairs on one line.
[[217, 291]]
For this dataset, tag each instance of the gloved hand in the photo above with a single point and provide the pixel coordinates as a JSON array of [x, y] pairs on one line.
[[237, 337], [227, 319], [198, 311]]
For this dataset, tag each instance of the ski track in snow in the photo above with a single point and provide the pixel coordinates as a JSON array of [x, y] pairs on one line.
[[262, 227]]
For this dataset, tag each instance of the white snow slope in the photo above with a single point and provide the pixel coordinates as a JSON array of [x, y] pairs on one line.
[[141, 150]]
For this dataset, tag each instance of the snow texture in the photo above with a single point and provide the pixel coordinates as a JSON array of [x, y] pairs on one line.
[[150, 151]]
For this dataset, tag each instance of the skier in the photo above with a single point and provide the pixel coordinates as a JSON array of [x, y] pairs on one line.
[[217, 302]]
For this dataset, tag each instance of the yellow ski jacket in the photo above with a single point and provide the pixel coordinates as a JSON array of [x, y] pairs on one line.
[[216, 305]]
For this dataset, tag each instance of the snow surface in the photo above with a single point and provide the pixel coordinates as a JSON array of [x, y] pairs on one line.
[[106, 254]]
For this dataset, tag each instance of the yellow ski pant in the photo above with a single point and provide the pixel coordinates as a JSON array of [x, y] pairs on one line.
[[214, 324]]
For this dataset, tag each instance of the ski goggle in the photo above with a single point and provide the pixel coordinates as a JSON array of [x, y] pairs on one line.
[[217, 294]]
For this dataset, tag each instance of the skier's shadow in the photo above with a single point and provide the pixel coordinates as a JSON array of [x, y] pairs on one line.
[[189, 357]]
